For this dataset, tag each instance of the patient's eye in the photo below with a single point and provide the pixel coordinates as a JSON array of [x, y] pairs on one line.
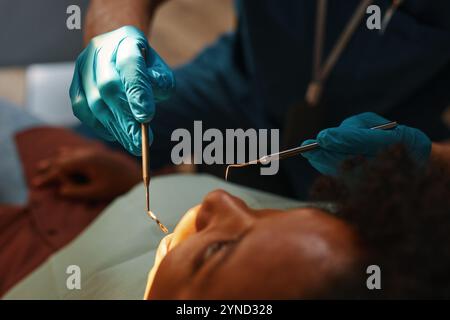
[[216, 247], [223, 247]]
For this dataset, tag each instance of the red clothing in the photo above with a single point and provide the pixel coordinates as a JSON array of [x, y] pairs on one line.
[[30, 234]]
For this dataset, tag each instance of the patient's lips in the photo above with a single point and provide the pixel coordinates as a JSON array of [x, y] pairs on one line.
[[161, 226]]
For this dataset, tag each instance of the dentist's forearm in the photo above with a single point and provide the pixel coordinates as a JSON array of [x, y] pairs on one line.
[[108, 15]]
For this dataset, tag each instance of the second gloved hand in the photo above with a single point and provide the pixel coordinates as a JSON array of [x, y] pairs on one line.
[[354, 137], [118, 79]]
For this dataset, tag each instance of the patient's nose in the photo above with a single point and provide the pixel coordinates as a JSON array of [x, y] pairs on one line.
[[221, 209]]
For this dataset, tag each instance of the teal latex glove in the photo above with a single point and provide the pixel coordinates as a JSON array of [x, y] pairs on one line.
[[353, 137], [118, 79]]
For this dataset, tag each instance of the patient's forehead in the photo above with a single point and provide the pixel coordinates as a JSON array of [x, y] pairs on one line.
[[305, 218], [310, 238], [305, 227]]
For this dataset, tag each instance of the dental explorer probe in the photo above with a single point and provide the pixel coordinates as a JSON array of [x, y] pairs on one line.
[[295, 151], [146, 175]]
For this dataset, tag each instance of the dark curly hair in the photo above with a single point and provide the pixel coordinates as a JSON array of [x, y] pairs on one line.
[[402, 216]]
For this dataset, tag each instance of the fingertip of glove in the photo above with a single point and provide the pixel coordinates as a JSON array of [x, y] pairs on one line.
[[324, 136], [307, 154], [143, 118], [332, 137], [134, 150], [143, 111], [135, 146], [312, 155], [308, 141]]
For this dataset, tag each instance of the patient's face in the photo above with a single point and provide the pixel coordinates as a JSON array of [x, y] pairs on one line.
[[238, 253]]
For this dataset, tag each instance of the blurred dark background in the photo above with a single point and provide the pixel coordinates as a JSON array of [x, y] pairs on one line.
[[34, 31]]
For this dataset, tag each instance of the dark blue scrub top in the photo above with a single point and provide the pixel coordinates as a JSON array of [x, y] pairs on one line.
[[403, 74], [251, 77]]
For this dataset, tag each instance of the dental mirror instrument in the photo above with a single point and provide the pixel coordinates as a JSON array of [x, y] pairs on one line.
[[295, 151], [146, 175]]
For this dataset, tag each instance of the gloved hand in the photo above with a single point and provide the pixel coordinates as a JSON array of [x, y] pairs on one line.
[[117, 81], [353, 137]]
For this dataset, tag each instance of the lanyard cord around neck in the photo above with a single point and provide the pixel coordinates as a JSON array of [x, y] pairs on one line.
[[321, 72]]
